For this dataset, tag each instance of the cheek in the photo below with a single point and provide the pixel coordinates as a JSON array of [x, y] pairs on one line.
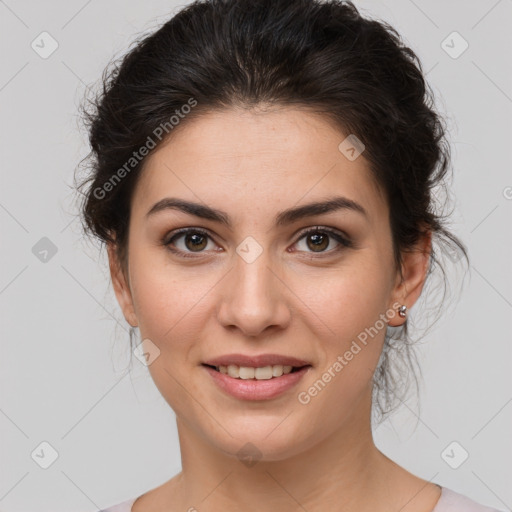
[[163, 299], [351, 306], [168, 309], [348, 299], [354, 310]]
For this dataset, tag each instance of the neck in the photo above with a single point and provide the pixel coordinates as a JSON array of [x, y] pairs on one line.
[[336, 471]]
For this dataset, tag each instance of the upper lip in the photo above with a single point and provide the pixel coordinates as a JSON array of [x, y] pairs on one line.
[[256, 361]]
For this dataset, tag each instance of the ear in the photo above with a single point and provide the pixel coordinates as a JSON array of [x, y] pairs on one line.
[[408, 287], [121, 286]]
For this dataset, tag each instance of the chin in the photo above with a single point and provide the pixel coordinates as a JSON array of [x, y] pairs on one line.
[[261, 442]]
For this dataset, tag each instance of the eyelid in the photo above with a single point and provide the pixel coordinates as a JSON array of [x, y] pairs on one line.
[[166, 241], [342, 238], [326, 229], [344, 241]]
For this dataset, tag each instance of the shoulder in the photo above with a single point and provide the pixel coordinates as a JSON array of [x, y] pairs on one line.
[[452, 501], [155, 498], [125, 506]]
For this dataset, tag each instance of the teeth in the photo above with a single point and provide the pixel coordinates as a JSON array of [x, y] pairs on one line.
[[233, 371], [262, 373], [245, 372]]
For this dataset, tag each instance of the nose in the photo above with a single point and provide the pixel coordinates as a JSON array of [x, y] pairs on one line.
[[254, 298]]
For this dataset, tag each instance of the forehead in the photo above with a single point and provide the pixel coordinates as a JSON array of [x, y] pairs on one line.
[[239, 159]]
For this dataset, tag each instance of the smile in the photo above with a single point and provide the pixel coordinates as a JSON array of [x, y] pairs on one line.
[[260, 383], [260, 373]]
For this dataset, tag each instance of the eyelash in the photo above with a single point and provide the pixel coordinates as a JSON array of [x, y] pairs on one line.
[[344, 242]]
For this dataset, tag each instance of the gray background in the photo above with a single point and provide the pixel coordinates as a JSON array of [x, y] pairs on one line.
[[64, 365]]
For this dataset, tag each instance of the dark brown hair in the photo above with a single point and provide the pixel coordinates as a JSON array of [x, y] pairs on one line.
[[320, 55]]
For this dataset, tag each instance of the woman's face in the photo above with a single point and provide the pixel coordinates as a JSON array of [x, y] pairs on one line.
[[257, 284]]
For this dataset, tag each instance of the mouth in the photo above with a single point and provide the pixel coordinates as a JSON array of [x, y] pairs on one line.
[[255, 383], [268, 372]]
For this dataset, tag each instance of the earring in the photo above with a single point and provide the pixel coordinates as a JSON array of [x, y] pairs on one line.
[[402, 311]]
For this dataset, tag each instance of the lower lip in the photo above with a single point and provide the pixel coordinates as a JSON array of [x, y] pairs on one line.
[[252, 389]]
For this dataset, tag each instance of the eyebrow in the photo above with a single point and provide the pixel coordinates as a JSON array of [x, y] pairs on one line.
[[282, 218]]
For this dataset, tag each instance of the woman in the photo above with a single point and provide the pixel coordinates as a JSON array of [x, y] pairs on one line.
[[263, 176]]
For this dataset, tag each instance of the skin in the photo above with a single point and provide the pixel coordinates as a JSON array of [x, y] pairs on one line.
[[291, 300]]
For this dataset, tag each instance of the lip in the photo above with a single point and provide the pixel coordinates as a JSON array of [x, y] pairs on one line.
[[252, 389], [256, 361]]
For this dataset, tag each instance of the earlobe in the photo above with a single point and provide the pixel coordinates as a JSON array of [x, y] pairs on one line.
[[415, 264], [121, 286]]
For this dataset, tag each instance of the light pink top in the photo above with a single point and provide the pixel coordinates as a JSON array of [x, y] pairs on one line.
[[449, 501]]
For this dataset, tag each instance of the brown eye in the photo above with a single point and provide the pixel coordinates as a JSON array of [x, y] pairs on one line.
[[187, 241], [195, 242], [319, 239]]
